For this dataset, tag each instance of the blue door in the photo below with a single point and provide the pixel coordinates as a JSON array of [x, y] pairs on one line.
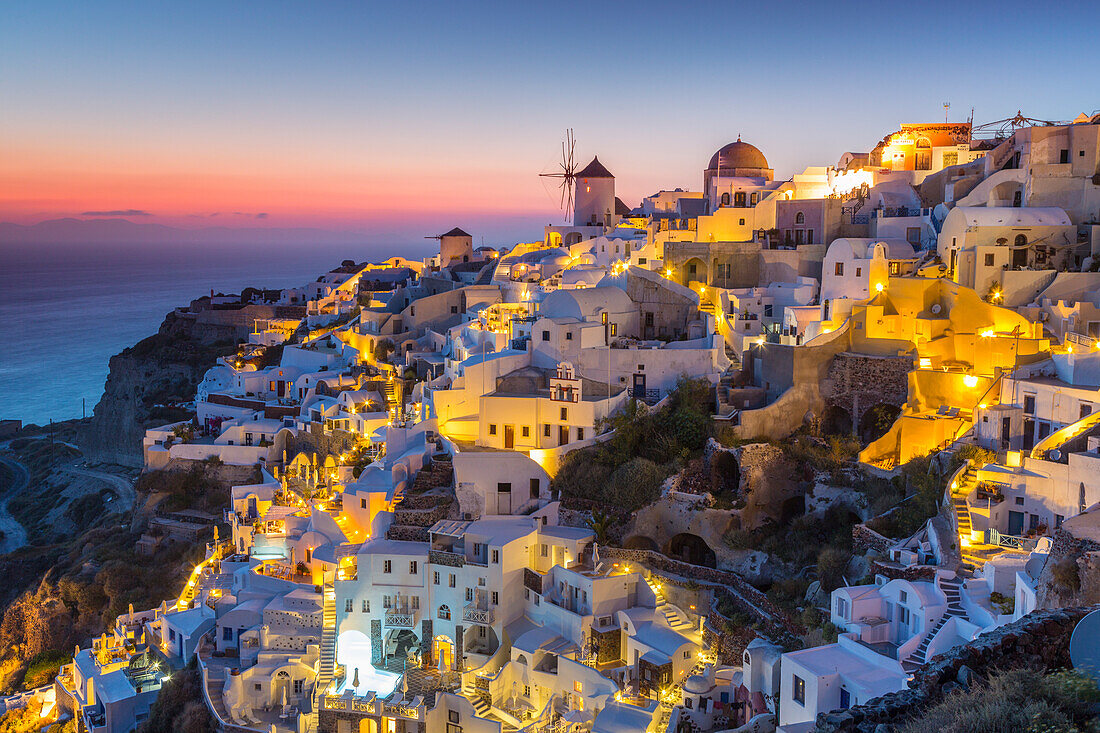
[[1016, 523], [845, 699]]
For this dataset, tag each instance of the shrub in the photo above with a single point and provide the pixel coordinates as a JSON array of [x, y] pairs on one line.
[[1065, 575], [832, 563], [1018, 700], [635, 484]]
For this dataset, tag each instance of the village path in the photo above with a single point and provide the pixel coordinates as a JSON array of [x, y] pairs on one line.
[[124, 486], [15, 535]]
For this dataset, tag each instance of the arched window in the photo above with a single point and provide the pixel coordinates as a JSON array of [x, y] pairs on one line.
[[725, 199], [1021, 240], [445, 612], [800, 218]]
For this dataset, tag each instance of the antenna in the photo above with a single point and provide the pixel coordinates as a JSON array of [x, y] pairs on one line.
[[568, 174], [946, 107]]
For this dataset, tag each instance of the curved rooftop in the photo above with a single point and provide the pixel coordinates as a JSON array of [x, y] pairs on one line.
[[737, 154], [582, 303]]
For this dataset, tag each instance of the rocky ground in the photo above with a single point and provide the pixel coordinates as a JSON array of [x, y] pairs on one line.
[[71, 566]]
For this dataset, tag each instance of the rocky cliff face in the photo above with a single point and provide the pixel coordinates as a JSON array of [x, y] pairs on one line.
[[1071, 575], [145, 381]]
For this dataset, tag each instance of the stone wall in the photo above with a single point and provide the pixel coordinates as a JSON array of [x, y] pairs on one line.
[[1038, 641], [1072, 543], [407, 533], [910, 572], [316, 440], [858, 382], [864, 538], [722, 584]]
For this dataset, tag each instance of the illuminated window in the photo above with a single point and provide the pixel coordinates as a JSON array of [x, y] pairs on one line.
[[578, 686], [838, 269], [799, 691]]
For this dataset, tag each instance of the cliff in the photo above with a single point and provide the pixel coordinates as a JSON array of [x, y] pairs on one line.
[[1071, 575], [147, 380]]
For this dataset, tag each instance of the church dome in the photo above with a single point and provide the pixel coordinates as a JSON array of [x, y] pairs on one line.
[[738, 155]]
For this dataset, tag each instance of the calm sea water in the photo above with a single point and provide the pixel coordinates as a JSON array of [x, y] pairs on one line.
[[65, 312]]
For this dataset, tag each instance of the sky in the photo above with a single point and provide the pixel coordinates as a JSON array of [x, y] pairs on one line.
[[396, 119]]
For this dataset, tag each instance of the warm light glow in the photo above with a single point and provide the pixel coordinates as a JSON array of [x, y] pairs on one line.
[[848, 181], [982, 406], [878, 287], [987, 333], [996, 295], [970, 381]]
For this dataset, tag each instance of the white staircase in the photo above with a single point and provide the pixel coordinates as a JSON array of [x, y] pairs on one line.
[[952, 593], [328, 646]]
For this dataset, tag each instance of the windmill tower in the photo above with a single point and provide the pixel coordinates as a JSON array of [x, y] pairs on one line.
[[455, 246]]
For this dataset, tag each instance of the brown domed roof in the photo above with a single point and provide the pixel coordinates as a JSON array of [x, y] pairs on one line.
[[738, 155]]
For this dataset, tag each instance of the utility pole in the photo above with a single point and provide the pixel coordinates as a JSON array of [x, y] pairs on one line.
[[946, 107]]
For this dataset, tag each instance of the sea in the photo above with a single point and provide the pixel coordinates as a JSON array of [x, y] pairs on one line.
[[65, 310]]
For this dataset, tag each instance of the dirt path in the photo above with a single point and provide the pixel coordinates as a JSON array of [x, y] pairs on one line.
[[123, 486], [15, 535]]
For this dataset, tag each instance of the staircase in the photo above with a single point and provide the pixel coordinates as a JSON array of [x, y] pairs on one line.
[[973, 554], [675, 618], [480, 706], [389, 391], [328, 646], [726, 382], [951, 592]]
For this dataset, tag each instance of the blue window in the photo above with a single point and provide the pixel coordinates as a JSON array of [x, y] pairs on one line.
[[227, 634]]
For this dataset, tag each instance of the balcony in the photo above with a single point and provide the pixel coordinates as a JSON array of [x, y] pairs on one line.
[[400, 619], [475, 615]]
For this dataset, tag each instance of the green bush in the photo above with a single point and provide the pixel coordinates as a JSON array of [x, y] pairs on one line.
[[635, 484], [832, 562], [1017, 700]]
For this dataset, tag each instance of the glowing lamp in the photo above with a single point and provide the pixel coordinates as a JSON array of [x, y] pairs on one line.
[[987, 333], [970, 381], [878, 287], [982, 406]]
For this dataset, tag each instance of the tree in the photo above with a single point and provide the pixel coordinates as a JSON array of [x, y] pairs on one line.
[[600, 522], [383, 348]]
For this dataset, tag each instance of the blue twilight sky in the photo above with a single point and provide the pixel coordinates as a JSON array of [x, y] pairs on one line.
[[398, 117]]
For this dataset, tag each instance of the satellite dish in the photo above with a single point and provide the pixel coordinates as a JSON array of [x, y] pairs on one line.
[[1055, 455], [1084, 645], [936, 308]]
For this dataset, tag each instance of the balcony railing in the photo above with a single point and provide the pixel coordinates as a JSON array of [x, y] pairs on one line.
[[476, 615], [400, 619]]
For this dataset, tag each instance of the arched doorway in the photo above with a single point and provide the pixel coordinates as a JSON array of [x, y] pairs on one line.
[[443, 652], [280, 688], [725, 474], [836, 421], [877, 421], [641, 542], [691, 548], [694, 270]]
